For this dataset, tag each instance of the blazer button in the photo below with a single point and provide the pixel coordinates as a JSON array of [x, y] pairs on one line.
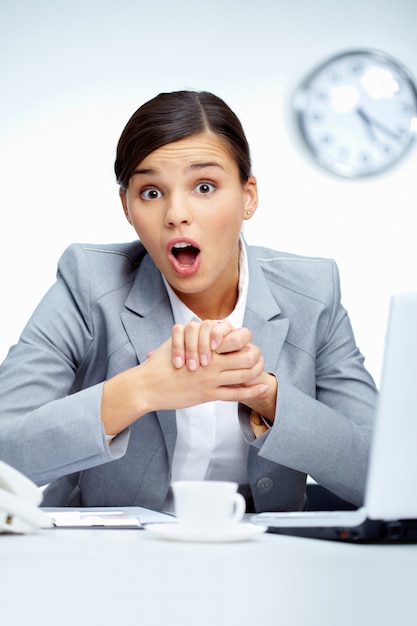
[[264, 485]]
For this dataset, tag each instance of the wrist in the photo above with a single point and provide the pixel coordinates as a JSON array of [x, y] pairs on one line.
[[266, 405], [122, 402]]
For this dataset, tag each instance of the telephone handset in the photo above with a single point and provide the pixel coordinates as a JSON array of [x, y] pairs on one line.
[[19, 502]]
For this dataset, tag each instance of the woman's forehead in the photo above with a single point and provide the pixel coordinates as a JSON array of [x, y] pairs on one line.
[[204, 148]]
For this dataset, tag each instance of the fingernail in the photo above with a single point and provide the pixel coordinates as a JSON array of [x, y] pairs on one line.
[[192, 364], [203, 359], [178, 362]]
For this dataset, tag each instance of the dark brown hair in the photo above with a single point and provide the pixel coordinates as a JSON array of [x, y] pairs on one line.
[[172, 116]]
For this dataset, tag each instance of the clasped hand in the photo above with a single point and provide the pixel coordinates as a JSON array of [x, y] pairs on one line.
[[200, 362], [208, 361]]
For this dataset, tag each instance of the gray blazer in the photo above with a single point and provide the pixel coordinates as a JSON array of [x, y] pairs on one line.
[[108, 309]]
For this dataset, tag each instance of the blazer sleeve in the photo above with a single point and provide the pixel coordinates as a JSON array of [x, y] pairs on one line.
[[326, 433], [48, 428]]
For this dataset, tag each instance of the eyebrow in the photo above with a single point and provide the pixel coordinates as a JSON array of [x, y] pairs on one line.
[[149, 171], [200, 166], [145, 171]]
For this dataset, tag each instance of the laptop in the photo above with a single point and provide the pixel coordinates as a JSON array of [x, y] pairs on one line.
[[389, 513]]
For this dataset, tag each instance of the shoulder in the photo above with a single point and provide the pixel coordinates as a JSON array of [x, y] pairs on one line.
[[303, 275], [121, 254], [103, 266], [305, 289]]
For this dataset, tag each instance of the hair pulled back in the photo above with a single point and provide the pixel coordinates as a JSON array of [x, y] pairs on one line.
[[173, 116]]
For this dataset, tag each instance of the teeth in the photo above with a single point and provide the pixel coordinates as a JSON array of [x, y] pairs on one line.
[[182, 244]]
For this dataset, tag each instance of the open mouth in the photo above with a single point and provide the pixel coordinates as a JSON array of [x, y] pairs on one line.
[[185, 253]]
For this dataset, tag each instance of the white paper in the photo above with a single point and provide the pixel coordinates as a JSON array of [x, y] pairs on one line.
[[105, 517]]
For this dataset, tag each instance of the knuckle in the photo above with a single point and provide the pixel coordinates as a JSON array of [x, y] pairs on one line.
[[248, 334], [192, 326], [177, 337]]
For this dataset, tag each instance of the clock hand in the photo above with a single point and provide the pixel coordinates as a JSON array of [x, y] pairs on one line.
[[366, 119], [371, 121]]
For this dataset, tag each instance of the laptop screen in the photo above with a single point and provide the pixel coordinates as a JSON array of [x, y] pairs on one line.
[[391, 492]]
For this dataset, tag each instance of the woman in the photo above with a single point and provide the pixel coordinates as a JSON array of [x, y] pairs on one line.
[[187, 354]]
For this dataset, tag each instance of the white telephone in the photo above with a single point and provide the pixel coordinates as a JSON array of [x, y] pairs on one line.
[[19, 501]]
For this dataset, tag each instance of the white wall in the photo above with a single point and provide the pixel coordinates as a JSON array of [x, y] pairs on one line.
[[72, 73]]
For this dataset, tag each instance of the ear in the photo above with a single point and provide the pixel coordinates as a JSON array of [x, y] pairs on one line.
[[250, 189], [122, 195]]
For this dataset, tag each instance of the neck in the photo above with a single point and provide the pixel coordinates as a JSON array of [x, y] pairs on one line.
[[212, 308]]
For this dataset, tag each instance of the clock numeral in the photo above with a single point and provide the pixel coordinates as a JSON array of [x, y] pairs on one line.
[[326, 139], [357, 67], [365, 158], [323, 96], [316, 117], [407, 108], [334, 76]]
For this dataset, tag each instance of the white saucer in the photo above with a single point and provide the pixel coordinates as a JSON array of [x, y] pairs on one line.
[[231, 532]]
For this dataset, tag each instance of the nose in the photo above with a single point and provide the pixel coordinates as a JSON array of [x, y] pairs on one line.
[[178, 211]]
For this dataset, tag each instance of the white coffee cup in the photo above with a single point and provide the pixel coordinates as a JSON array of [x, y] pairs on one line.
[[207, 503]]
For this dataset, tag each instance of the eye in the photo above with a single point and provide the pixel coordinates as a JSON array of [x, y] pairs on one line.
[[151, 194], [204, 188]]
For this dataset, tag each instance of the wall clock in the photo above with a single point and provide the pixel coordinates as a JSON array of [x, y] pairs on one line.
[[357, 113]]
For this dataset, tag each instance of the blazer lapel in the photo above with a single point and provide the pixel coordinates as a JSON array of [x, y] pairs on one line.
[[147, 317], [263, 315], [148, 322]]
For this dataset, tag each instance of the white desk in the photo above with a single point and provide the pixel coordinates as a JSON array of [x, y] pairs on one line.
[[99, 577]]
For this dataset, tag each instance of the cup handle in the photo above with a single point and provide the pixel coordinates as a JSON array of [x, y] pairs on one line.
[[240, 507]]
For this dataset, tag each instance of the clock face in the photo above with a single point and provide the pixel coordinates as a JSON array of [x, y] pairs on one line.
[[357, 113]]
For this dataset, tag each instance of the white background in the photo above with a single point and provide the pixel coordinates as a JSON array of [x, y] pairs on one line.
[[72, 73]]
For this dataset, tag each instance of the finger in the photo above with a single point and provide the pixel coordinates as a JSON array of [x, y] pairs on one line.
[[246, 358], [241, 394], [204, 341], [234, 340], [191, 343], [219, 331], [178, 346], [241, 377]]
